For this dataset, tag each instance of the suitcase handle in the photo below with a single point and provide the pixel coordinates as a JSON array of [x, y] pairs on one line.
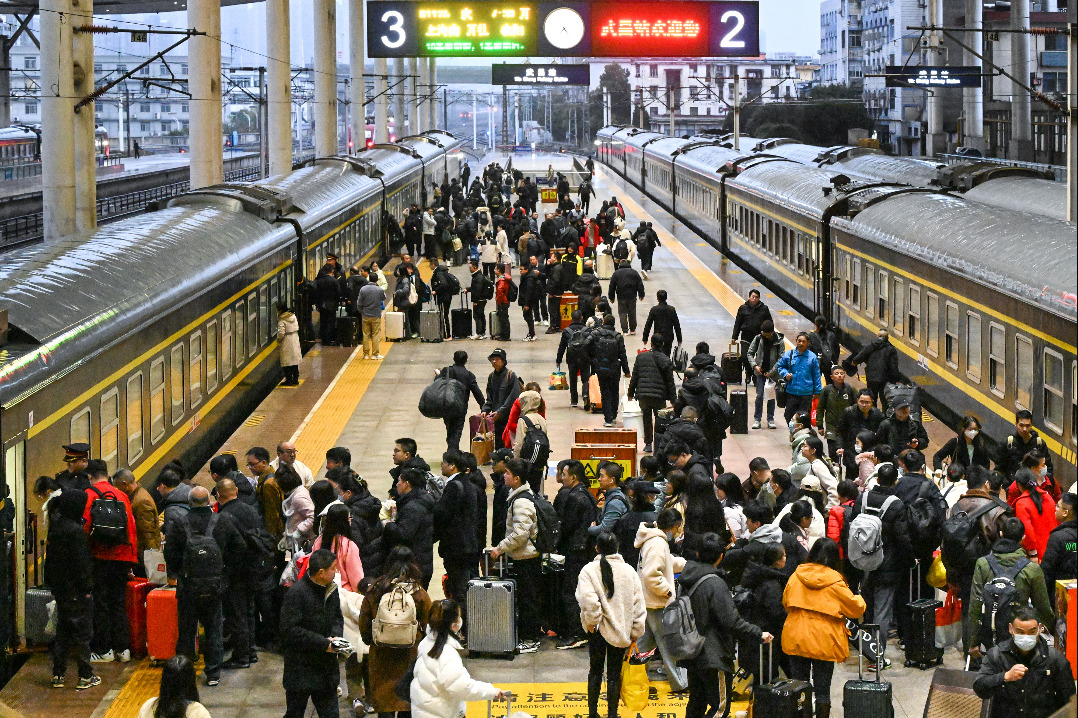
[[770, 652], [508, 707], [486, 564], [734, 350], [861, 650]]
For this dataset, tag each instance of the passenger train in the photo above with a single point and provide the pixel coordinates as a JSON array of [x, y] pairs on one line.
[[980, 300], [154, 337]]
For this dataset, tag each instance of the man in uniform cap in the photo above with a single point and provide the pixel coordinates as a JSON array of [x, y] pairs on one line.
[[73, 478]]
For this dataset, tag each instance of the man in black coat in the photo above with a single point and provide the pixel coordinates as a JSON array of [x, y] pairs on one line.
[[200, 594], [1060, 560], [482, 290], [577, 510], [683, 430], [69, 574], [454, 425], [454, 527], [1024, 440], [328, 296], [530, 297], [574, 348], [413, 525], [413, 230], [863, 416], [902, 431], [652, 384], [881, 365], [750, 316], [311, 628], [606, 350], [503, 388], [664, 319], [239, 602], [626, 286]]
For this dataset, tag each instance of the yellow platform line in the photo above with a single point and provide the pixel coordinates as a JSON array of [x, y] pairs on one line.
[[144, 684]]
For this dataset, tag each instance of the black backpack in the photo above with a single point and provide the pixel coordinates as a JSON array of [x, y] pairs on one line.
[[926, 514], [108, 519], [203, 566], [621, 250], [261, 553], [999, 600], [535, 450], [486, 290], [577, 349], [963, 541], [606, 349], [511, 293], [547, 524]]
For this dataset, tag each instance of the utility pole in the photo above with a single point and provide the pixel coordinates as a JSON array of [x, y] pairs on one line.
[[1072, 116], [670, 108], [737, 111], [445, 110], [505, 115], [475, 130], [263, 117]]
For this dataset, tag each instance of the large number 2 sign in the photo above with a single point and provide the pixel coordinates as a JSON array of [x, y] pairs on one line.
[[730, 39], [395, 25]]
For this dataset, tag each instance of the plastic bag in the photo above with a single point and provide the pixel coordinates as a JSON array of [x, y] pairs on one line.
[[50, 624], [949, 621], [937, 573], [634, 683], [558, 381], [154, 562]]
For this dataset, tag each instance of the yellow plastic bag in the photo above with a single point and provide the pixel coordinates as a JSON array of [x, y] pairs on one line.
[[937, 573], [634, 683]]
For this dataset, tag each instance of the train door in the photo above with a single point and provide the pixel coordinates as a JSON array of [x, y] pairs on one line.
[[15, 568], [823, 275]]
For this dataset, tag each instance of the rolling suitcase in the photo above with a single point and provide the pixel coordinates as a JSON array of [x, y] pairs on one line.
[[867, 699], [492, 612], [604, 266], [594, 395], [460, 320], [347, 330], [732, 364], [430, 325], [494, 328], [395, 326], [135, 603], [921, 651], [162, 624], [739, 406], [37, 615], [781, 699], [951, 695]]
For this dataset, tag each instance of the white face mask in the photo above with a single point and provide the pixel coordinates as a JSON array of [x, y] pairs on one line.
[[1024, 643], [971, 434], [857, 447]]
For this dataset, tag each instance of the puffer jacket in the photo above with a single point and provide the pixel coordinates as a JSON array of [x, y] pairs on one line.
[[656, 567], [652, 379], [576, 509], [441, 687], [1029, 586], [717, 618], [529, 409], [818, 602], [804, 371], [288, 336], [414, 527], [767, 585], [520, 526], [619, 618]]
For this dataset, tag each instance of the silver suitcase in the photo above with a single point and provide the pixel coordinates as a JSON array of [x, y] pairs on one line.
[[492, 612], [37, 616], [430, 325]]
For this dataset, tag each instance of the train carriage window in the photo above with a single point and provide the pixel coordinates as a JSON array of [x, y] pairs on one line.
[[1023, 372], [157, 400], [870, 290], [913, 322], [226, 344], [134, 418], [847, 289], [80, 427], [769, 239], [881, 308], [950, 329], [252, 323], [932, 337], [176, 380], [211, 356], [196, 369], [110, 425], [800, 253], [899, 317], [263, 315], [997, 359], [241, 335], [784, 248], [273, 299], [973, 346], [1053, 390], [855, 295]]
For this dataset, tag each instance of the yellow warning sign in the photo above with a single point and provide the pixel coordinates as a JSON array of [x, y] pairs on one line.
[[570, 700], [549, 195], [591, 469]]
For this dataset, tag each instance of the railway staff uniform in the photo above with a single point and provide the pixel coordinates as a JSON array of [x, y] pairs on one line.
[[73, 478]]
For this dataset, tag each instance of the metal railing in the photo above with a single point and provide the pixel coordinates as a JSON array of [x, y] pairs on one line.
[[1057, 172]]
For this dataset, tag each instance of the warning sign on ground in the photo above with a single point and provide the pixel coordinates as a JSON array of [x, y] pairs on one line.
[[570, 700]]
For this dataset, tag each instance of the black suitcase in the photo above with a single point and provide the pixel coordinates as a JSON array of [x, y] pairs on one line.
[[781, 699], [460, 320], [921, 651], [739, 404], [732, 364], [867, 699], [347, 331], [37, 616], [553, 582]]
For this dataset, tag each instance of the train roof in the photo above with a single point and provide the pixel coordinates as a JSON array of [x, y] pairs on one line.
[[1024, 194], [1027, 255], [709, 159], [324, 184], [789, 184], [18, 133], [886, 168]]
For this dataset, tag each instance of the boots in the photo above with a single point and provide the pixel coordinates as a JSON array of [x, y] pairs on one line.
[[823, 710]]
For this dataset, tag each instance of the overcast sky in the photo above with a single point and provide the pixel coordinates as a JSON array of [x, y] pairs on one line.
[[790, 26]]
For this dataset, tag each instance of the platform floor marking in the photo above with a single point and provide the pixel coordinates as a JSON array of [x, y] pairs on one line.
[[570, 700], [144, 684]]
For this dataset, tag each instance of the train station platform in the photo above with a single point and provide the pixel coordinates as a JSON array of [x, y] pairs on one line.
[[365, 405]]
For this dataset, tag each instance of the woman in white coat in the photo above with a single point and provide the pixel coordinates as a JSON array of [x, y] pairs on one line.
[[441, 686], [288, 338], [613, 612]]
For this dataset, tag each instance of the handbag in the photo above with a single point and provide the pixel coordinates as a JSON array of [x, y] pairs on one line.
[[154, 562], [457, 244], [780, 394], [482, 447], [949, 621], [634, 682], [558, 381]]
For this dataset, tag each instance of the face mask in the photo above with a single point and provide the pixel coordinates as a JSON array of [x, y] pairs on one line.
[[971, 434], [670, 535], [857, 447], [1042, 473], [1024, 643], [793, 427]]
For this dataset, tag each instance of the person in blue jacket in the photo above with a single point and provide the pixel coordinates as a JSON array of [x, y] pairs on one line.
[[800, 369]]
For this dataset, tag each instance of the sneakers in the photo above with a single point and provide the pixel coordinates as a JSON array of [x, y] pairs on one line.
[[378, 357], [102, 657], [528, 647], [886, 664], [574, 405], [57, 681], [529, 339], [90, 682], [124, 656], [770, 424], [571, 642], [553, 330], [608, 424], [647, 448], [756, 424], [233, 664], [213, 682], [643, 274], [587, 405]]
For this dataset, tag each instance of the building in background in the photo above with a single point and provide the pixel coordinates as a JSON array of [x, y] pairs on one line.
[[841, 54]]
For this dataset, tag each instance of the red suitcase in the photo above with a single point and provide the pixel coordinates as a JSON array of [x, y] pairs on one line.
[[135, 602], [162, 624]]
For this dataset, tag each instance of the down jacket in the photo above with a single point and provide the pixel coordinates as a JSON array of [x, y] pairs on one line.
[[717, 618], [441, 687], [620, 618], [818, 602], [520, 526], [529, 408], [653, 378], [656, 566]]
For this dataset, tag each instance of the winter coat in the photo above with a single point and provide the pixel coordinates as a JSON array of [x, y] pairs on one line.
[[441, 687], [429, 223], [625, 285], [717, 618], [801, 372], [364, 507], [387, 664], [68, 568], [618, 618], [127, 551], [767, 585], [414, 527], [503, 388], [298, 511], [606, 348], [765, 353], [466, 378], [656, 567], [1060, 558], [371, 301], [956, 450], [1029, 585], [652, 379], [818, 602], [479, 486], [833, 401], [851, 422], [897, 552], [270, 500], [567, 336], [684, 431], [664, 319], [454, 519], [695, 392], [310, 616], [881, 361], [521, 526], [1014, 449], [615, 505], [748, 320], [288, 337], [349, 564], [1039, 524], [626, 530], [899, 434], [226, 534], [576, 509], [1044, 689], [837, 526], [975, 499], [529, 409], [175, 506], [750, 548], [144, 510]]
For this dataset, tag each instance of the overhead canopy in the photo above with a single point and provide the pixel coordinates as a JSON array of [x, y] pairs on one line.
[[108, 7]]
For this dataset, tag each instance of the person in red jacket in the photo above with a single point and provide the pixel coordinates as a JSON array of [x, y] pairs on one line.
[[837, 527], [1037, 510], [504, 295], [1037, 462], [112, 562]]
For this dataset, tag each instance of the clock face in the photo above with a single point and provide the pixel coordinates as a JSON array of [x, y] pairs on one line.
[[564, 28]]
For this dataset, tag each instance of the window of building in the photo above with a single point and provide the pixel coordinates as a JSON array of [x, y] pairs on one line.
[[80, 427], [29, 62], [98, 67], [183, 68], [144, 126], [163, 71], [176, 379], [913, 322], [157, 400], [166, 108], [121, 68], [185, 108], [653, 70], [950, 343], [1054, 82], [134, 417], [932, 338], [973, 346], [145, 107], [110, 425], [30, 108], [997, 359], [1053, 389], [196, 369], [144, 70], [166, 126]]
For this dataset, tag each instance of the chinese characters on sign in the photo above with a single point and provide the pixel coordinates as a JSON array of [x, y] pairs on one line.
[[898, 76], [507, 74]]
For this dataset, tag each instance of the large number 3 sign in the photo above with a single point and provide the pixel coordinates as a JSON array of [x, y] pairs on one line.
[[394, 22]]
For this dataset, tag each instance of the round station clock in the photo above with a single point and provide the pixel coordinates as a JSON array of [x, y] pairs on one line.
[[564, 28]]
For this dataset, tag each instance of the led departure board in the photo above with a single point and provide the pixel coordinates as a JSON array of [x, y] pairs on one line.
[[581, 28]]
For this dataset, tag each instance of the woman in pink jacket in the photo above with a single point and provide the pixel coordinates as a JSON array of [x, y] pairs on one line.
[[336, 530]]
